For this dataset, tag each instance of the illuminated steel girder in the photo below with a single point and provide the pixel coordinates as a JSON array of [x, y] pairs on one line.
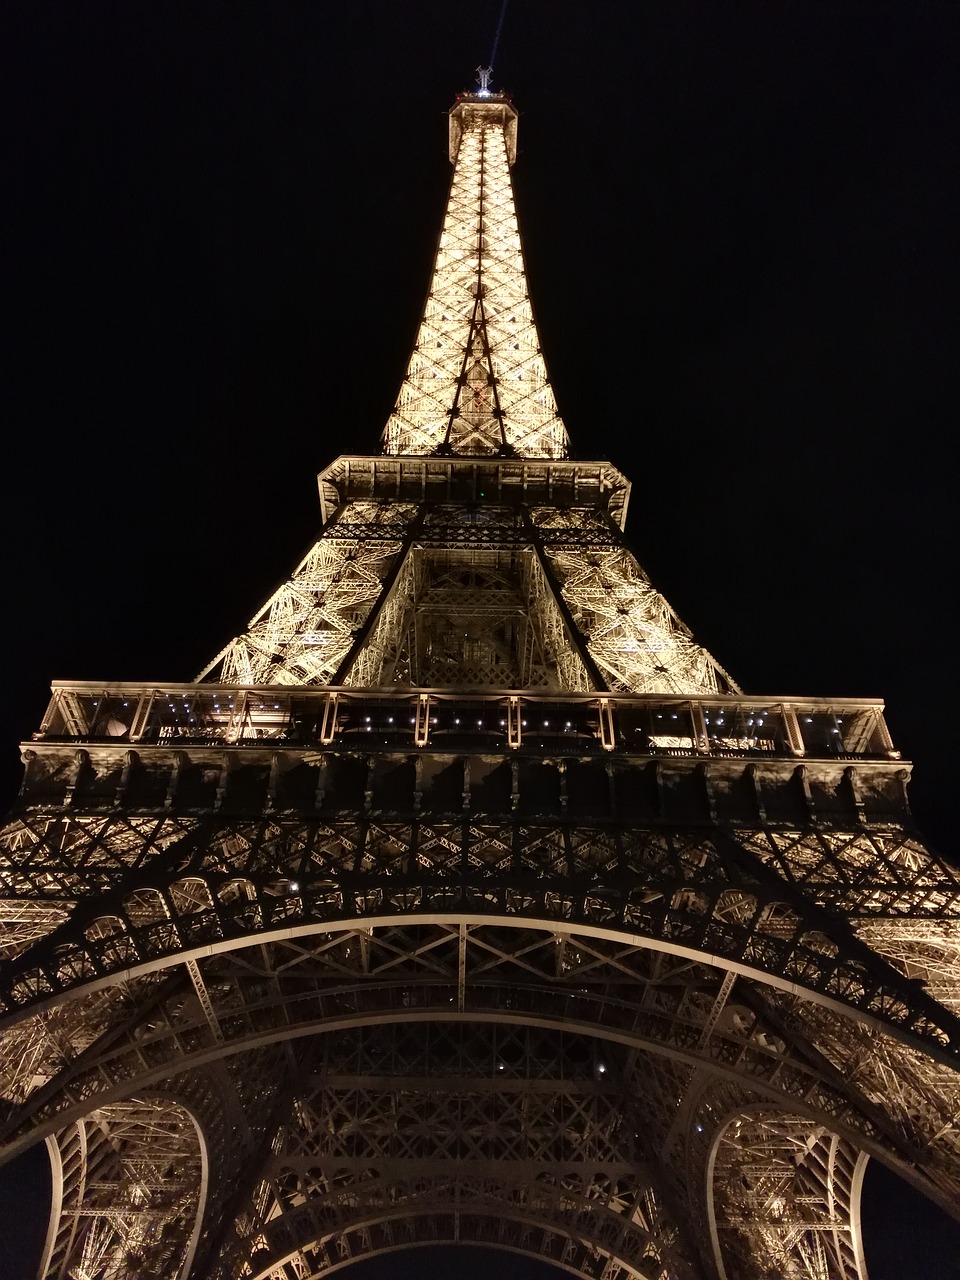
[[464, 897], [476, 382]]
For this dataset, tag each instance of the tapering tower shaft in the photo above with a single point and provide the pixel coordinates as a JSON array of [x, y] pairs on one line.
[[476, 382]]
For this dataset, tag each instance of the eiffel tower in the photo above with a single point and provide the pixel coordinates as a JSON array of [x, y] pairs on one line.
[[464, 897]]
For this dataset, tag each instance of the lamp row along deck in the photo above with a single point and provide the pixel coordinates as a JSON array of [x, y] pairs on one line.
[[237, 748]]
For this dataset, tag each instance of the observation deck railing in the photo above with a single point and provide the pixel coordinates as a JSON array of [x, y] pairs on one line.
[[179, 715]]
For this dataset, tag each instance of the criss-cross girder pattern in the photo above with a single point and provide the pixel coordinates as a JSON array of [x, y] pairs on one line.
[[476, 382], [464, 897]]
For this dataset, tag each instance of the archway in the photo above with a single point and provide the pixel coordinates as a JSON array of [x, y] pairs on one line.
[[663, 1022], [129, 1185], [785, 1194]]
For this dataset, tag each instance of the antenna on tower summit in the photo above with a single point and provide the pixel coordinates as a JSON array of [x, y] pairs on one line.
[[483, 79]]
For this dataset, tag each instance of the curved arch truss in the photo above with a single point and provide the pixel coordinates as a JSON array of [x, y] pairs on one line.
[[480, 1122], [573, 1083], [216, 884], [792, 1187], [129, 1184]]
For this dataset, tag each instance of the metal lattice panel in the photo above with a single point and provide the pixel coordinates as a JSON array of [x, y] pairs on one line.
[[476, 382], [633, 634], [304, 631], [488, 597], [800, 1184], [129, 1185]]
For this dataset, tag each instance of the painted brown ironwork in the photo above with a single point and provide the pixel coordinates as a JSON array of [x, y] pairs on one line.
[[465, 897]]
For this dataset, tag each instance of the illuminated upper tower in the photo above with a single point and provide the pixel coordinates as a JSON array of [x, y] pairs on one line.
[[476, 382], [473, 552]]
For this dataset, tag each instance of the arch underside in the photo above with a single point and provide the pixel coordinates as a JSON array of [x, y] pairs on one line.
[[363, 1069], [796, 1187], [129, 1184], [765, 901], [503, 1030]]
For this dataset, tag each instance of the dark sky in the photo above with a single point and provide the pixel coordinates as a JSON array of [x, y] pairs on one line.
[[740, 223]]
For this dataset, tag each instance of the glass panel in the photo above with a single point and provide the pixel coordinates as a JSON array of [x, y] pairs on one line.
[[739, 729], [468, 724], [654, 727], [822, 732], [565, 728], [372, 722], [109, 716], [266, 716]]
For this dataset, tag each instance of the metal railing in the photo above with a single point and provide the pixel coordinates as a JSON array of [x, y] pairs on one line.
[[213, 714]]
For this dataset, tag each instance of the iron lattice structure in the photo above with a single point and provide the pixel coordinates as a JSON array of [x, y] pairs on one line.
[[464, 897]]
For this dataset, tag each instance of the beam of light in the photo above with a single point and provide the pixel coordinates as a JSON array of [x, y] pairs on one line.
[[492, 60]]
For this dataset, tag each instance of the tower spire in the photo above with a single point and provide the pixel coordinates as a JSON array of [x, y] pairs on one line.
[[476, 382]]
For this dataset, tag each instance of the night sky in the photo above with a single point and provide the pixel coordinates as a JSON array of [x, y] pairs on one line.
[[740, 225]]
